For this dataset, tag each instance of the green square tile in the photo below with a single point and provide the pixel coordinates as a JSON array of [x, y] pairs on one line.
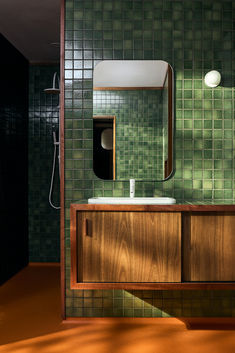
[[204, 124]]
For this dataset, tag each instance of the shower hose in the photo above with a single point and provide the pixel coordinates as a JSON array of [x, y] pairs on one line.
[[53, 174]]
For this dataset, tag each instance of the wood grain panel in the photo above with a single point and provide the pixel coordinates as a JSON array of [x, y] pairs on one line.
[[154, 208], [62, 177], [131, 247], [212, 247], [73, 244], [187, 211]]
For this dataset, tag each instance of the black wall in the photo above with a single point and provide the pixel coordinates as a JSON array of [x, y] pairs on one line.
[[13, 160]]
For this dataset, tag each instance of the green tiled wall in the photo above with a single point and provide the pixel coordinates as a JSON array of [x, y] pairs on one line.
[[139, 131], [44, 222], [194, 36]]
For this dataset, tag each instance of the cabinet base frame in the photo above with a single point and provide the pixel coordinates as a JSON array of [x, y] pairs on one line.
[[157, 286]]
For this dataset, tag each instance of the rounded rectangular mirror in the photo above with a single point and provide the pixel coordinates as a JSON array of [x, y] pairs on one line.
[[133, 102]]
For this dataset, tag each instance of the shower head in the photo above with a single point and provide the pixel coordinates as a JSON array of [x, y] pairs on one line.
[[53, 89]]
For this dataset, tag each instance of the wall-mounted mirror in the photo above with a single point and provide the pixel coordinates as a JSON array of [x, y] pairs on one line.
[[133, 116]]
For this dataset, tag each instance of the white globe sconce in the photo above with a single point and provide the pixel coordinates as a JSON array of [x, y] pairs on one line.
[[212, 78]]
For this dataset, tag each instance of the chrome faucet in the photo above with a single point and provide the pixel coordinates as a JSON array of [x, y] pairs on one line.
[[132, 188]]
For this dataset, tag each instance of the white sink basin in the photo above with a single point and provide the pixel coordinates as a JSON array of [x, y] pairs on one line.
[[132, 200]]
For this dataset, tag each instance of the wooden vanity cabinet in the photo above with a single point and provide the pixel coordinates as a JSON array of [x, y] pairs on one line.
[[209, 240], [152, 247], [129, 247]]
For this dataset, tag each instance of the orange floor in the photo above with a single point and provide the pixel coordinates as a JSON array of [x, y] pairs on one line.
[[30, 323]]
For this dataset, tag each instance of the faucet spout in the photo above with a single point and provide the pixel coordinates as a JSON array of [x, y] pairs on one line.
[[132, 188]]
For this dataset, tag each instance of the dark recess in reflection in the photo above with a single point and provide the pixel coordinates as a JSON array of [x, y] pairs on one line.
[[102, 158]]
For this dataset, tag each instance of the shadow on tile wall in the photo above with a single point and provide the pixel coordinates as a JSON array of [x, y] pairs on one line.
[[194, 37], [170, 303], [44, 222]]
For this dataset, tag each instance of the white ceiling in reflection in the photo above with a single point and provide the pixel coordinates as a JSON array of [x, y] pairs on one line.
[[130, 73]]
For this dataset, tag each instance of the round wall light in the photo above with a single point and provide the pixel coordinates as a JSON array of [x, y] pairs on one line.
[[212, 78]]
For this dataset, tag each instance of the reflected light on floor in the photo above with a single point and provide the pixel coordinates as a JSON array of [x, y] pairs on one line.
[[30, 323]]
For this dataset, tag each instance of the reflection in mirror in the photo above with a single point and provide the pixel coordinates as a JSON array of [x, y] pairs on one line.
[[133, 112], [107, 139], [104, 146]]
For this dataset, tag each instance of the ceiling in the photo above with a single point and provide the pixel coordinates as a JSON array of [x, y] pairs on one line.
[[31, 26]]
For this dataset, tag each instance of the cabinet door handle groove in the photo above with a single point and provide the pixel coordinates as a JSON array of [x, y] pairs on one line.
[[88, 228]]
